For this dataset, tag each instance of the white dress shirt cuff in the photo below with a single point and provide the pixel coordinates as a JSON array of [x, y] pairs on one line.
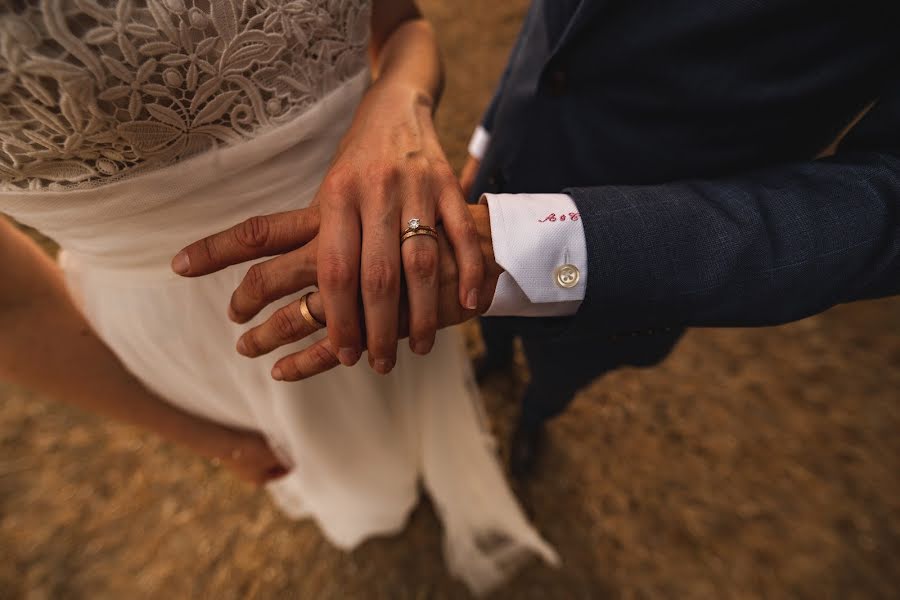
[[478, 145], [539, 242]]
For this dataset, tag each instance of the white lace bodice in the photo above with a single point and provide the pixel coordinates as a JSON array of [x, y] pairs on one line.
[[95, 90]]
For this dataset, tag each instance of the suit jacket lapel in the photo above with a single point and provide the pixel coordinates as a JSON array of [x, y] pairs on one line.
[[582, 17]]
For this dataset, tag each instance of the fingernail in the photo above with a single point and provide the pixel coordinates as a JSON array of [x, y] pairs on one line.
[[181, 264], [421, 347], [348, 356], [384, 366], [242, 346], [277, 374], [472, 299]]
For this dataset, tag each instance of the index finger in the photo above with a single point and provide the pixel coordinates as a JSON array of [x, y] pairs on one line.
[[257, 237]]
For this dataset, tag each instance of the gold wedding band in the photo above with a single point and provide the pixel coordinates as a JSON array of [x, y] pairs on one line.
[[420, 231], [307, 314]]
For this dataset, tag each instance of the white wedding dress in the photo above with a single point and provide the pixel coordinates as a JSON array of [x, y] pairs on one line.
[[131, 128]]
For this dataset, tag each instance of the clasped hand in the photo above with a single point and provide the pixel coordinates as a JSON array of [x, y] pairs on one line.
[[371, 291]]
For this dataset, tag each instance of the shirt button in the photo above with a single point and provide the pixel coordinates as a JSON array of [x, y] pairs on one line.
[[567, 276]]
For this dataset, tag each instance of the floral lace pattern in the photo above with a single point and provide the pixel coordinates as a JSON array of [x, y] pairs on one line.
[[95, 90]]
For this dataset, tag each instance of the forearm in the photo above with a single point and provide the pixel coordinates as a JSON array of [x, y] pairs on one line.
[[49, 347], [763, 249], [405, 51]]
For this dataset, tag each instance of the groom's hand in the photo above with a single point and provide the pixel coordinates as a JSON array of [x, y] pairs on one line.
[[291, 237], [295, 269]]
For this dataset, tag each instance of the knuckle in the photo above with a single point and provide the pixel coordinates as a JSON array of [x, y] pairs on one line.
[[337, 272], [207, 248], [467, 232], [425, 326], [255, 283], [380, 279], [284, 324], [321, 357], [253, 232], [339, 183], [423, 263]]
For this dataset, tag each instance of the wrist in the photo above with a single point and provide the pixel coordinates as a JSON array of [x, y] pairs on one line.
[[403, 91]]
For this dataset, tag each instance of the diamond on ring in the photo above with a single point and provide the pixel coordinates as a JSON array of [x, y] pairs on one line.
[[414, 228]]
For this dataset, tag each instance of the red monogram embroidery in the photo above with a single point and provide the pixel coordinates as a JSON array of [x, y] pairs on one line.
[[553, 217]]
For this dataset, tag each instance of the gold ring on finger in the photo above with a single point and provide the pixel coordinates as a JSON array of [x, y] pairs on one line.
[[414, 227], [422, 231], [307, 314]]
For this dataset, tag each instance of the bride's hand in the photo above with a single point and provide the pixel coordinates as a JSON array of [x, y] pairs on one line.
[[390, 168], [287, 325]]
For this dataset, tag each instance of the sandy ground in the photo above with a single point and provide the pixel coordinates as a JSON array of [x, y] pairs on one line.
[[754, 463]]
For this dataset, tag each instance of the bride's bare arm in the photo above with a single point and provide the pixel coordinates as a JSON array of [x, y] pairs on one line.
[[46, 345], [403, 47]]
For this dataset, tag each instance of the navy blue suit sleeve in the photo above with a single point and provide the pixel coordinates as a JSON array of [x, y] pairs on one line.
[[758, 249]]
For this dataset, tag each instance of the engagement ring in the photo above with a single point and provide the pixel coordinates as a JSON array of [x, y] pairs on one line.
[[414, 227]]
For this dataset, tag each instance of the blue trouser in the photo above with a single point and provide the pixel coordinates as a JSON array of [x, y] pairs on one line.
[[560, 368]]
